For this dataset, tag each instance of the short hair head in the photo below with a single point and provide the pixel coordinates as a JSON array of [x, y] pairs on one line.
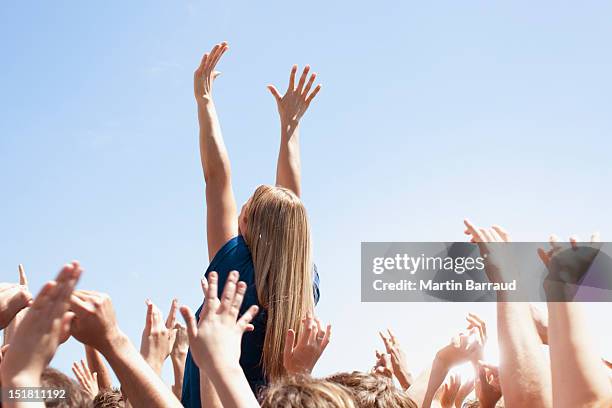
[[112, 398], [372, 390], [296, 391], [76, 397]]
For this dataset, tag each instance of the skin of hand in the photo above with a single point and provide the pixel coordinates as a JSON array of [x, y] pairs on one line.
[[96, 364], [300, 355], [466, 388], [13, 299], [296, 100], [205, 75], [178, 357], [462, 348], [398, 359], [215, 340], [488, 388], [87, 379], [95, 325], [158, 337], [38, 336], [567, 265], [540, 319], [26, 296], [449, 391], [474, 321], [499, 259], [383, 365]]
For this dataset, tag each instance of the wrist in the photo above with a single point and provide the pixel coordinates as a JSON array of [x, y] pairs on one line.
[[116, 343], [178, 359], [23, 379], [404, 378], [216, 371], [204, 101]]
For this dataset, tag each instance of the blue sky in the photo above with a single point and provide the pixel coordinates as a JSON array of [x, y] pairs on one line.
[[429, 112]]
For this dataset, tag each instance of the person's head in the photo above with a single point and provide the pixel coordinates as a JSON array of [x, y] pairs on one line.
[[76, 397], [297, 391], [275, 227], [109, 399], [372, 390]]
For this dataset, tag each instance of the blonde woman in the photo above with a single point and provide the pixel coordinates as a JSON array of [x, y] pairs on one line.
[[268, 243]]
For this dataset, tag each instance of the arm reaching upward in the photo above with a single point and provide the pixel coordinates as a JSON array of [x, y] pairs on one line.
[[291, 108], [523, 370], [572, 357], [221, 216]]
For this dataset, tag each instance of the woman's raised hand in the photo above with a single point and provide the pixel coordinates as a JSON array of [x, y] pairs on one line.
[[204, 76], [294, 103]]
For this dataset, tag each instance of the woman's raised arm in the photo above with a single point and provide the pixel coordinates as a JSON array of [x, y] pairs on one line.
[[221, 216], [291, 107]]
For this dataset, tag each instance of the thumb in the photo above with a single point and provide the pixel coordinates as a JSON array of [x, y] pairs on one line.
[[275, 93], [215, 74]]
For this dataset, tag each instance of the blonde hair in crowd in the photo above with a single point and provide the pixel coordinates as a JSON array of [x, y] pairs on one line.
[[278, 237], [305, 391]]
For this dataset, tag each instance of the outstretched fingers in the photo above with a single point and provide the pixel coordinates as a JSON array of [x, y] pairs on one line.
[[229, 292], [244, 323], [291, 86]]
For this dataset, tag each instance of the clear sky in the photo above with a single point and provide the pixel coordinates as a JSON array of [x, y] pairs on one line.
[[429, 112]]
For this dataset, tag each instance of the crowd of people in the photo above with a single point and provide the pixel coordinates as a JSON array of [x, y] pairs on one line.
[[256, 339]]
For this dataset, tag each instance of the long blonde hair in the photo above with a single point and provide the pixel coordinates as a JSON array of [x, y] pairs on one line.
[[278, 236]]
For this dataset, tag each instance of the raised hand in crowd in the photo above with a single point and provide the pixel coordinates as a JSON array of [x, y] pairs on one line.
[[96, 364], [302, 352], [488, 388], [567, 265], [178, 355], [95, 325], [383, 365], [449, 390], [37, 337], [215, 339], [524, 370], [499, 259], [13, 299], [291, 107], [466, 388], [573, 359], [398, 359], [158, 336], [87, 379], [462, 348]]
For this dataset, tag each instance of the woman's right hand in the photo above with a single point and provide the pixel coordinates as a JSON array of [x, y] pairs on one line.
[[204, 76]]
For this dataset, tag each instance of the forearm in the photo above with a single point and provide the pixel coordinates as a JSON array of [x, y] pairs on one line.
[[208, 394], [178, 366], [404, 377], [572, 359], [524, 371], [96, 365], [288, 168], [424, 388], [143, 387], [15, 384], [232, 387], [215, 160]]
